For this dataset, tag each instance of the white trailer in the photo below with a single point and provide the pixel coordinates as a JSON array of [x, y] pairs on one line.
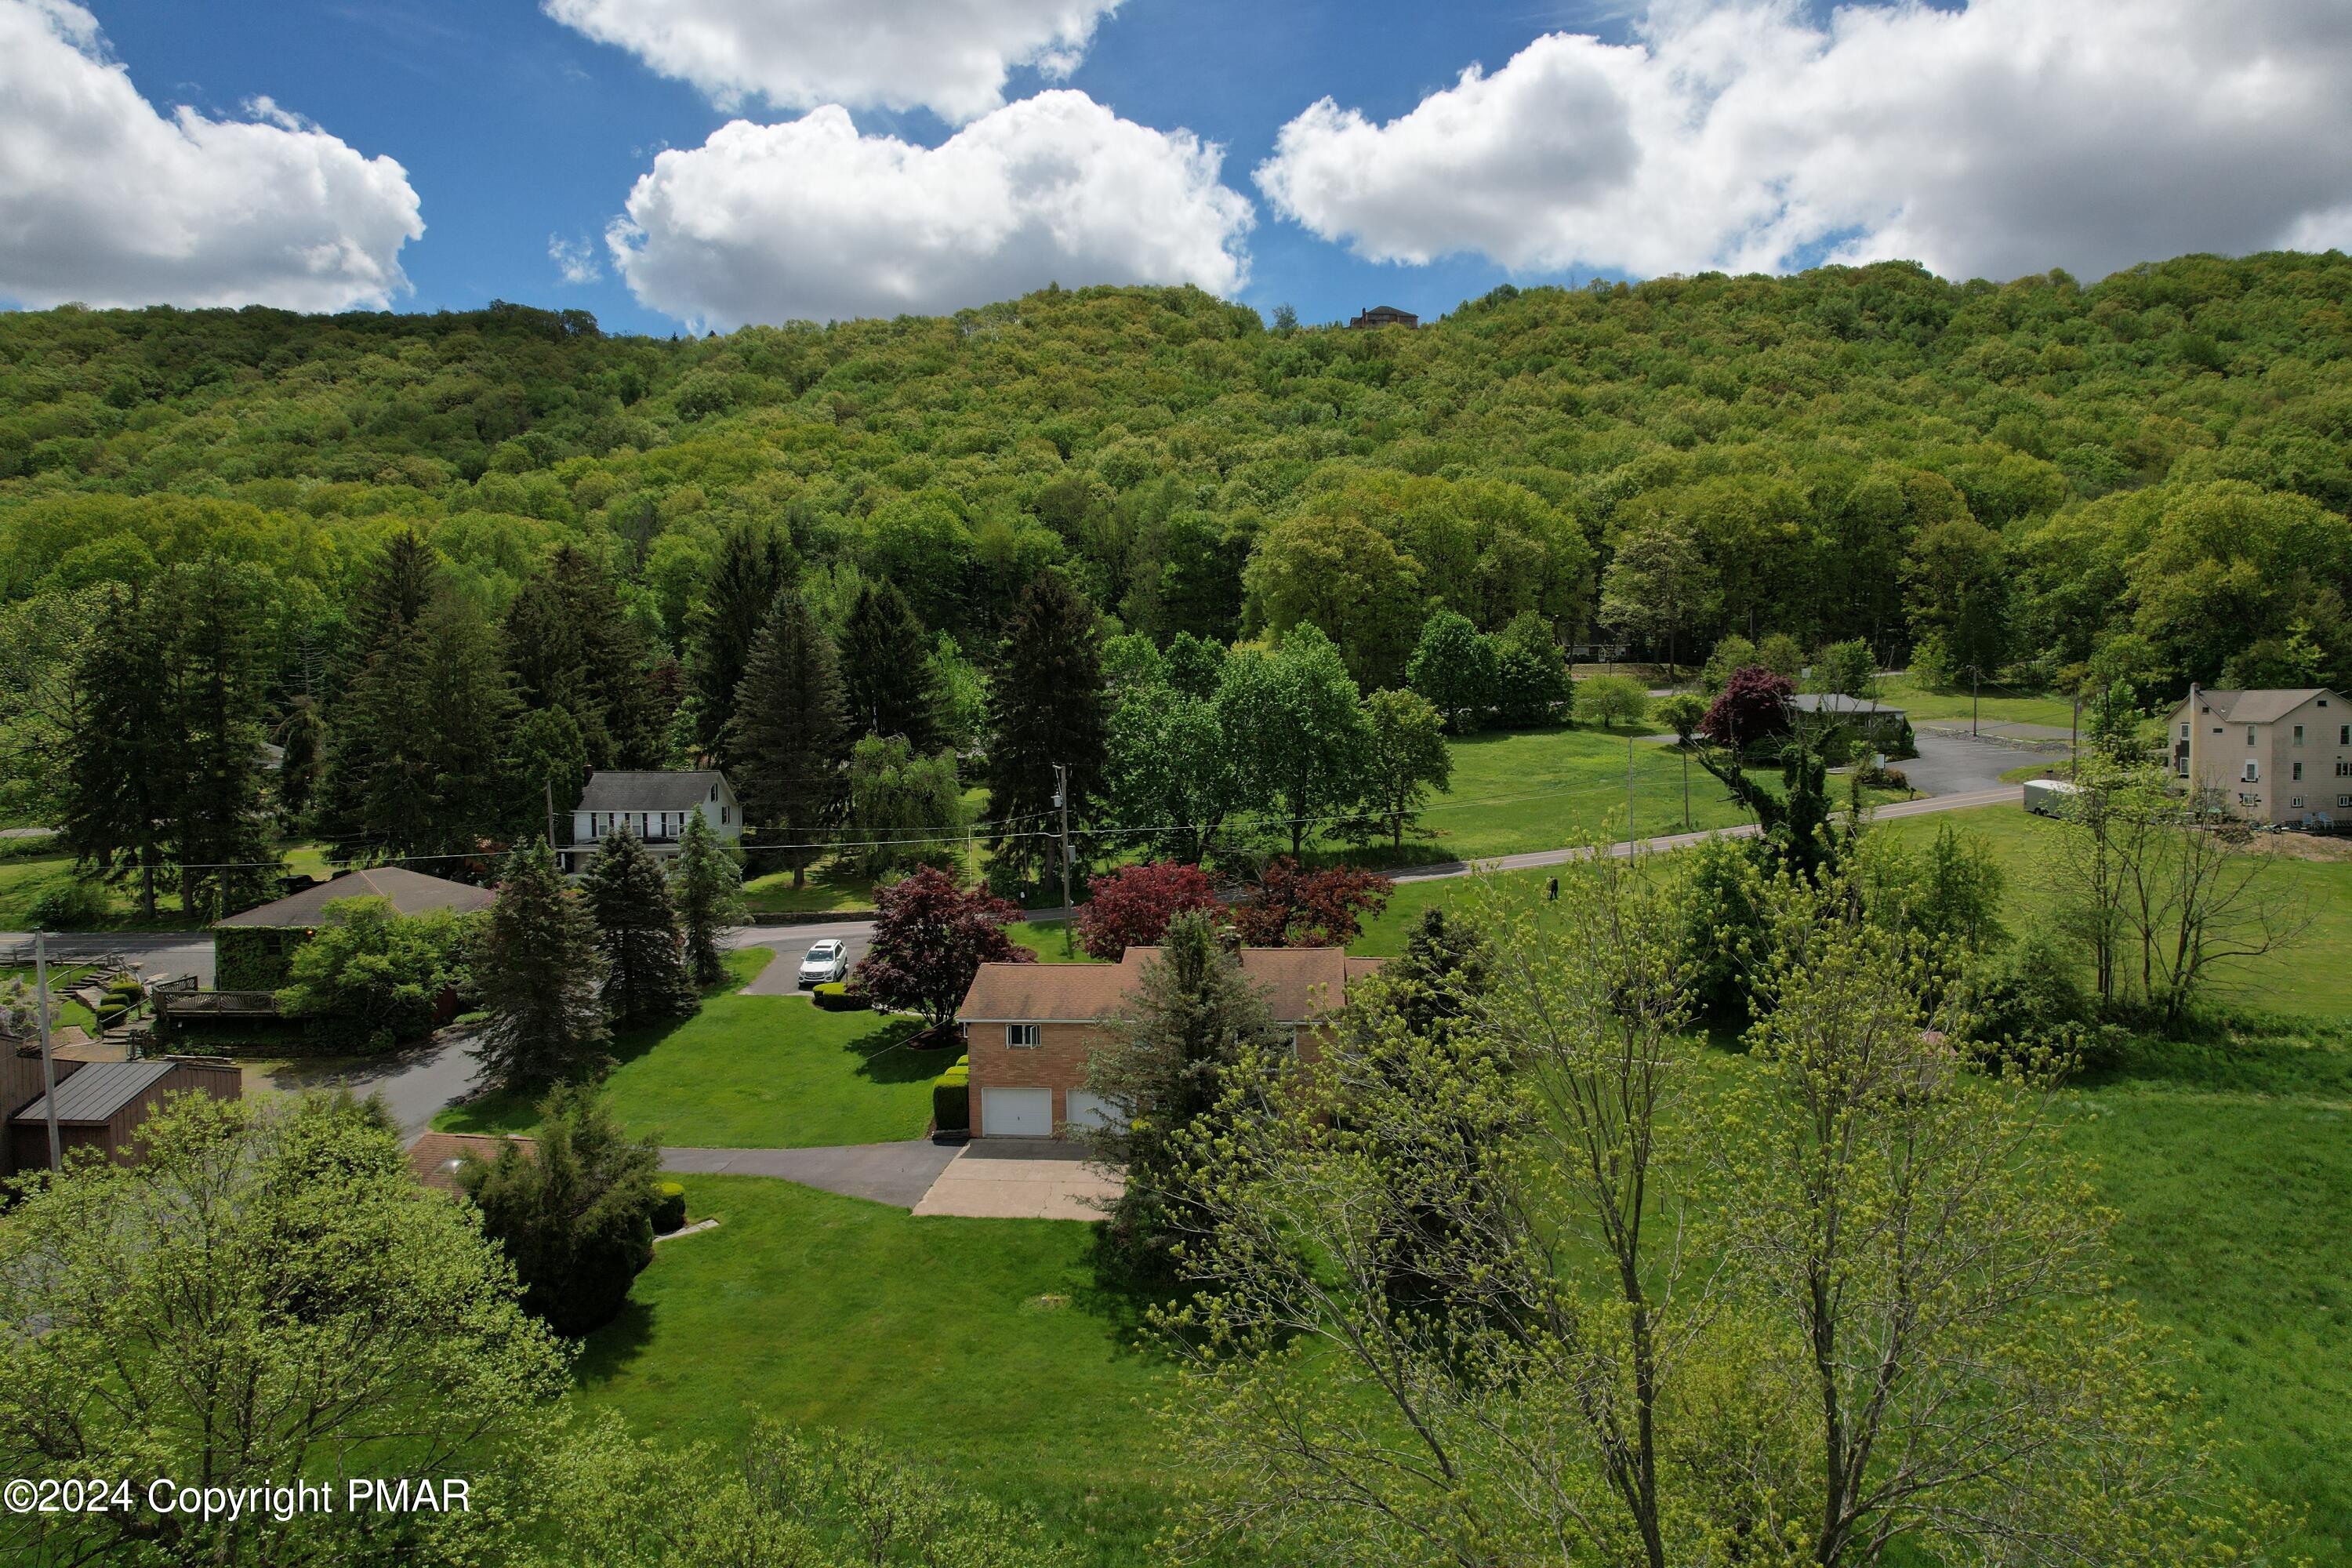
[[2048, 797]]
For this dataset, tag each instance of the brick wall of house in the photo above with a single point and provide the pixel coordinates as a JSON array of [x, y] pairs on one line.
[[1058, 1062]]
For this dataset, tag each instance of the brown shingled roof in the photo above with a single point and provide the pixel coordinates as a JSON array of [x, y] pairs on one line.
[[435, 1156], [411, 892], [1301, 983], [2257, 706]]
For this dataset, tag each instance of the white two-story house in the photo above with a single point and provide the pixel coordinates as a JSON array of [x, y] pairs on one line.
[[2282, 758], [655, 808]]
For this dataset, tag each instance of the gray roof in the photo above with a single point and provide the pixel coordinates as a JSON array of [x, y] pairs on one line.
[[411, 892], [611, 791], [97, 1091], [2263, 706], [1838, 703]]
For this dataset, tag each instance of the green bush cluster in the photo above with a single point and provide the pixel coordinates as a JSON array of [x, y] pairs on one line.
[[836, 996], [73, 905], [669, 1214], [952, 1098]]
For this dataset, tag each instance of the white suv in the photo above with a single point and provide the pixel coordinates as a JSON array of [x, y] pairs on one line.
[[828, 961]]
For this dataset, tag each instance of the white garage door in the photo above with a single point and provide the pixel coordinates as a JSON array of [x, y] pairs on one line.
[[1090, 1110], [1016, 1113]]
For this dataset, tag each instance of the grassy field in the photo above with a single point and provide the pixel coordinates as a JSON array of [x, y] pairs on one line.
[[23, 882], [1994, 704], [2228, 1165], [754, 1072], [2312, 978], [983, 1347]]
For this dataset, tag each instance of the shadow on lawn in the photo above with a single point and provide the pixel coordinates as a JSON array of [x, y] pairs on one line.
[[888, 1054], [608, 1352]]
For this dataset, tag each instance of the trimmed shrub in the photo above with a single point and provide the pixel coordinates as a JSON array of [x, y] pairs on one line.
[[951, 1102], [836, 996], [669, 1214], [73, 905]]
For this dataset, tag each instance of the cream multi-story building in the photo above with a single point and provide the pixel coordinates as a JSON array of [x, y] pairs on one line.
[[2280, 758]]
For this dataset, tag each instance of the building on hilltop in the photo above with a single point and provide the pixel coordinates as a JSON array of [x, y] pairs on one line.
[[2281, 758], [1385, 316]]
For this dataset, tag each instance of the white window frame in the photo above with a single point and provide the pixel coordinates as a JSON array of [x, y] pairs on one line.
[[2254, 770], [1023, 1036]]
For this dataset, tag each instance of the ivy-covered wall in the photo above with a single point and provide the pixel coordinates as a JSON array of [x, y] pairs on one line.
[[254, 958]]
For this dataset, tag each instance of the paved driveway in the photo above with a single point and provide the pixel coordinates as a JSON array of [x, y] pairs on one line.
[[1021, 1178], [415, 1083], [897, 1174], [1957, 765], [781, 977]]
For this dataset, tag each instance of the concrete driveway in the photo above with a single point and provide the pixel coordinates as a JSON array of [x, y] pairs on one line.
[[1021, 1178]]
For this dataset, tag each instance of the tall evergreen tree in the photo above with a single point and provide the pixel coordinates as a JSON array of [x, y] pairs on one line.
[[539, 972], [753, 567], [1047, 706], [419, 740], [646, 978], [886, 672], [708, 888], [1193, 1014], [221, 830], [576, 648], [303, 740], [398, 585], [787, 738], [124, 764]]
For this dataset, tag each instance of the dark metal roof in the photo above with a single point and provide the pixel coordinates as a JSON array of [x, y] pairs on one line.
[[1839, 702], [97, 1092], [411, 892], [609, 790]]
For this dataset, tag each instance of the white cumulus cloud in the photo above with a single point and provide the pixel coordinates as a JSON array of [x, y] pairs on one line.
[[2002, 139], [576, 260], [951, 57], [104, 200], [809, 219]]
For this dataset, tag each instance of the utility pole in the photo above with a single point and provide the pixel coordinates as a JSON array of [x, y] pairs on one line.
[[1974, 676], [549, 785], [1061, 805], [1629, 795], [1686, 826], [48, 1073]]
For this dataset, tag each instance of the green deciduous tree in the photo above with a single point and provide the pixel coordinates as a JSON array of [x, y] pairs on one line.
[[1661, 587], [1531, 679], [1342, 575], [1454, 666], [538, 972], [1406, 760], [371, 977], [905, 808], [1171, 782], [267, 1294], [645, 976], [706, 887], [788, 739], [1295, 722], [573, 1210]]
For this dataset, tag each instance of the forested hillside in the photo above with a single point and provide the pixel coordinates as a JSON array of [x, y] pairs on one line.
[[2151, 472]]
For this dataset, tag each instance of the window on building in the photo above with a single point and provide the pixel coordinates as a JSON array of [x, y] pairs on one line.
[[2296, 803], [2298, 770], [2343, 734], [723, 817], [714, 792], [1021, 1037], [2184, 732], [2250, 735], [2343, 770], [2253, 769], [2298, 734]]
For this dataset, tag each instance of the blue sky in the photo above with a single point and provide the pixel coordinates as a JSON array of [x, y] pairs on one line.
[[513, 128], [1990, 138]]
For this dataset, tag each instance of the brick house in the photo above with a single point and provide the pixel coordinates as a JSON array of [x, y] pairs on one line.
[[1031, 1028], [2281, 758]]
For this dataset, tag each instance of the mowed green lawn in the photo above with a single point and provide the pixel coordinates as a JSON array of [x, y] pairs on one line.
[[1993, 704], [24, 881], [2310, 978], [980, 1347], [754, 1072]]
